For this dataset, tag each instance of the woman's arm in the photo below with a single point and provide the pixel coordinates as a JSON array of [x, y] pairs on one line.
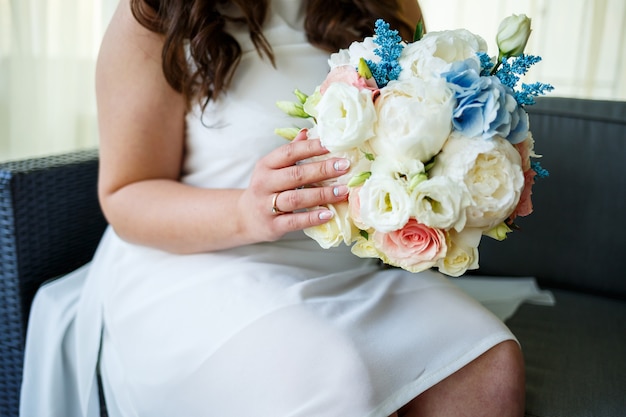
[[142, 124]]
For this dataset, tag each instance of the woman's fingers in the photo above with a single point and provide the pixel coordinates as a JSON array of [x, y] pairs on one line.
[[303, 220], [284, 187], [299, 164], [292, 152], [304, 198]]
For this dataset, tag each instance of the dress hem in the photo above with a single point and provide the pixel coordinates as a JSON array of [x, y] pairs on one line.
[[410, 391]]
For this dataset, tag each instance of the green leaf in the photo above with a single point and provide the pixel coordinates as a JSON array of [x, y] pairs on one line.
[[419, 31]]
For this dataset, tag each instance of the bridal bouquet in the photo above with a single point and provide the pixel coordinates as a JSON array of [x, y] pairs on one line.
[[439, 143]]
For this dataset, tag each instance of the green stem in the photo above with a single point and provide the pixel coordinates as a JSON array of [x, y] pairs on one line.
[[495, 67]]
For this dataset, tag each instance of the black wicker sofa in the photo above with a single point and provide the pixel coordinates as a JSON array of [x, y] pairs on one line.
[[574, 244]]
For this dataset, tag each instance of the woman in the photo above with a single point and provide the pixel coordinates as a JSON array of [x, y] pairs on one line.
[[212, 301]]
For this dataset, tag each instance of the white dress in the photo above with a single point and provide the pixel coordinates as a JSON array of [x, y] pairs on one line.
[[283, 329]]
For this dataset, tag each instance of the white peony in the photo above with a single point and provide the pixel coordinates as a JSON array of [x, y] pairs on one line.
[[441, 202], [432, 55], [414, 119], [345, 117], [491, 170]]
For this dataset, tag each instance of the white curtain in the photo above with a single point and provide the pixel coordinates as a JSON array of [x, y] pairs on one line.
[[47, 55], [48, 49]]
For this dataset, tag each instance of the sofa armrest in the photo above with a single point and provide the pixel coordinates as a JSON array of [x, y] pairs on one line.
[[574, 239], [50, 224]]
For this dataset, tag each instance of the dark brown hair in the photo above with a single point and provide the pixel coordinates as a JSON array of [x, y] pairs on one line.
[[329, 25]]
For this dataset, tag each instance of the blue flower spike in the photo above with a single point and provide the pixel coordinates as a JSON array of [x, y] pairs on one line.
[[389, 49]]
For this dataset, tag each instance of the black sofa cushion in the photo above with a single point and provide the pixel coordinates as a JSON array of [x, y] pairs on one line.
[[575, 355]]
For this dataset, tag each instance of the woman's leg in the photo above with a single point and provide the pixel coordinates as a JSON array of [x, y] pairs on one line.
[[491, 385]]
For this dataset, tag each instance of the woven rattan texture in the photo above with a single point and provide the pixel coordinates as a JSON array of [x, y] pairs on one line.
[[50, 224]]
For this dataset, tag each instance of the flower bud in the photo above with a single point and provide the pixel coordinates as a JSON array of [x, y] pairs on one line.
[[364, 70], [301, 96], [359, 179], [513, 35], [416, 180], [292, 109], [288, 133], [498, 232]]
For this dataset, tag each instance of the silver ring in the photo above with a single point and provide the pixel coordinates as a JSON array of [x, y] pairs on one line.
[[276, 210]]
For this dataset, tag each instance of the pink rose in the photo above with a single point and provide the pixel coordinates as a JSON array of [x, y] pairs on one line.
[[354, 204], [525, 205], [348, 75], [415, 247]]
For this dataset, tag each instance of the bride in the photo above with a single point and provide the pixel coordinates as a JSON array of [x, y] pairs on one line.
[[205, 298]]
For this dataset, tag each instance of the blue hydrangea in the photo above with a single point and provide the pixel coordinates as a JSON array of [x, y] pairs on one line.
[[485, 106], [389, 49]]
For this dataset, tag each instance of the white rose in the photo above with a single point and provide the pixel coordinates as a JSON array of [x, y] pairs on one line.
[[462, 252], [441, 203], [491, 170], [414, 118], [335, 231], [432, 55], [345, 117], [385, 204], [364, 248]]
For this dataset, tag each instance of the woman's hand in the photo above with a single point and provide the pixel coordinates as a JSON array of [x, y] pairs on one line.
[[281, 190], [141, 154]]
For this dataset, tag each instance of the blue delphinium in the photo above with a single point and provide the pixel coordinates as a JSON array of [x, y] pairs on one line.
[[485, 106], [389, 49]]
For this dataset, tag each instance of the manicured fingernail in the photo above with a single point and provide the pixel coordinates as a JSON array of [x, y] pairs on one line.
[[325, 215], [342, 164], [340, 190]]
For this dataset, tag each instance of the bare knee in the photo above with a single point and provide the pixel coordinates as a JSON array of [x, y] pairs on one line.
[[505, 364], [499, 381], [491, 385]]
